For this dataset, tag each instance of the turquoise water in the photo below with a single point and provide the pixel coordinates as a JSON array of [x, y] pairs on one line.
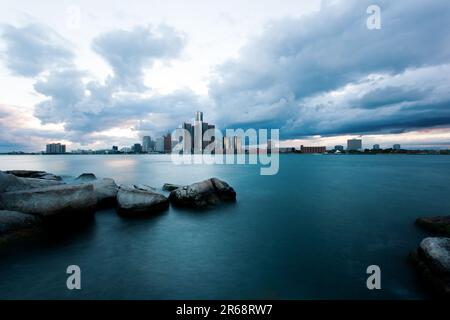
[[308, 232]]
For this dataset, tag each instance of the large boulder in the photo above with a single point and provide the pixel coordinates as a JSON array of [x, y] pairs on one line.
[[203, 194], [13, 223], [138, 200], [170, 186], [9, 182], [34, 174], [438, 225], [105, 191], [52, 202], [432, 259]]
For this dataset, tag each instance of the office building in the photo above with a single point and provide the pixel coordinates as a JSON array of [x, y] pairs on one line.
[[193, 135], [147, 144], [159, 144], [376, 147], [304, 149], [339, 148], [55, 148], [397, 147], [354, 145], [168, 143], [137, 148]]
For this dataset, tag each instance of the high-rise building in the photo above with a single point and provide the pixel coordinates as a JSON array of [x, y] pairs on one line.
[[188, 138], [136, 148], [147, 145], [354, 144], [115, 149], [397, 147], [339, 148], [55, 148], [168, 143], [376, 147], [159, 144]]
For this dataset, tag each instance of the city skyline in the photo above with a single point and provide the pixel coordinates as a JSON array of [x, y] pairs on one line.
[[142, 73]]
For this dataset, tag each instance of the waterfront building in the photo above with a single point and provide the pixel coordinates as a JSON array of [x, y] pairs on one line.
[[354, 144], [376, 147], [339, 148], [147, 144], [397, 147], [115, 149], [55, 148], [159, 144], [137, 148], [304, 149], [168, 143], [196, 131]]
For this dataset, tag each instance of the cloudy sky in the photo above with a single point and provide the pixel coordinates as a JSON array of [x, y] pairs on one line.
[[101, 72]]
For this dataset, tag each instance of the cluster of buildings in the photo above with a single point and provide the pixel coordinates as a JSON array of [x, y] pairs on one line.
[[55, 148], [353, 145], [194, 143]]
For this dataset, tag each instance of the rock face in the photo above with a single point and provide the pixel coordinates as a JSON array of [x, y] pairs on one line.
[[52, 202], [85, 177], [433, 262], [438, 225], [12, 222], [203, 194], [9, 182], [105, 190], [170, 186], [34, 174], [138, 200]]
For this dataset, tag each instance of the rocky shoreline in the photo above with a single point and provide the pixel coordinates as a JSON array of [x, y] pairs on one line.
[[31, 201], [432, 257]]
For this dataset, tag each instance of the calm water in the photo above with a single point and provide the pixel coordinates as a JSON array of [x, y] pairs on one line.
[[309, 232]]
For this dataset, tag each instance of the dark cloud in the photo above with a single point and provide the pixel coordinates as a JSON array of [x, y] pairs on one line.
[[298, 58], [130, 52], [33, 49]]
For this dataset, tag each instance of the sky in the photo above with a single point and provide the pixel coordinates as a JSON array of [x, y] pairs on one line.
[[92, 74]]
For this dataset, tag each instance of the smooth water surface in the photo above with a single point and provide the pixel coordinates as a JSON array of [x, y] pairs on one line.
[[308, 232]]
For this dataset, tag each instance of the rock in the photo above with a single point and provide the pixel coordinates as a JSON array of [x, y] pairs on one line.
[[12, 223], [170, 186], [137, 201], [438, 225], [432, 259], [203, 194], [105, 191], [9, 182], [34, 174], [436, 252], [77, 201], [85, 177]]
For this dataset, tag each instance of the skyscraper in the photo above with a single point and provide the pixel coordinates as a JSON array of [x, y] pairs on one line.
[[376, 147], [147, 144], [354, 144], [55, 148], [168, 143]]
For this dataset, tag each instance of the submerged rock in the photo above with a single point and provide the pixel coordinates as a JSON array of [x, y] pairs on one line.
[[170, 186], [203, 194], [438, 225], [13, 223], [85, 177], [139, 200], [432, 259], [34, 174], [9, 182], [76, 201]]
